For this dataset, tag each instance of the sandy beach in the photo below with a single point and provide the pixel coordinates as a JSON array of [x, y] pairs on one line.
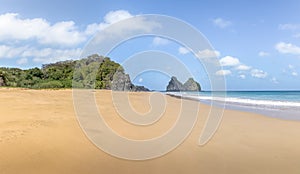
[[39, 133]]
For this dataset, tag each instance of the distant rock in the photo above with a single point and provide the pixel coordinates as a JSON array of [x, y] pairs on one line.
[[122, 82], [174, 85], [139, 88], [189, 85]]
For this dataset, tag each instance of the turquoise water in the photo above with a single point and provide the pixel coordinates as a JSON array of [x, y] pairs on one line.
[[279, 104]]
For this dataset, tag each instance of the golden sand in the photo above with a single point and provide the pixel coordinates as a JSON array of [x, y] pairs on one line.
[[39, 133]]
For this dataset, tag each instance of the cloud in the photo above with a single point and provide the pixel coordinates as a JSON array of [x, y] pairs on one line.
[[294, 74], [160, 41], [289, 26], [242, 76], [229, 61], [22, 61], [49, 55], [42, 55], [45, 42], [207, 53], [287, 48], [243, 67], [137, 24], [140, 80], [183, 50], [10, 52], [258, 73], [274, 80], [292, 70], [291, 66], [110, 18], [235, 63], [60, 34], [223, 72], [116, 16], [219, 22], [263, 54], [13, 27]]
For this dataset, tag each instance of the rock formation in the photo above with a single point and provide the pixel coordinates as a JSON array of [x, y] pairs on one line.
[[2, 82], [122, 82], [189, 85], [174, 85]]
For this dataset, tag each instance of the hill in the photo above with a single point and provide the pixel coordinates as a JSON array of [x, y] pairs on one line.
[[62, 74]]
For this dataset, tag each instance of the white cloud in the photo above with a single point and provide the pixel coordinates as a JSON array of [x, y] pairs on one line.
[[294, 74], [223, 72], [274, 80], [10, 52], [43, 55], [291, 70], [229, 61], [287, 48], [221, 22], [13, 27], [207, 53], [289, 26], [110, 18], [137, 24], [50, 42], [160, 41], [263, 54], [242, 76], [258, 73], [22, 61], [63, 33], [243, 67], [183, 50], [140, 80], [48, 55], [291, 66], [116, 16]]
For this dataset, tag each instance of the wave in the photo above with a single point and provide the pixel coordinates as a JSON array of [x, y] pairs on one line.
[[271, 104]]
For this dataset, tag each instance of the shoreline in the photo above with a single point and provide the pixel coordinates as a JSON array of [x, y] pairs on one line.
[[267, 112], [285, 113], [39, 133]]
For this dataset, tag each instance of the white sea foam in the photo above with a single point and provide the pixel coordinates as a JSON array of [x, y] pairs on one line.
[[272, 104]]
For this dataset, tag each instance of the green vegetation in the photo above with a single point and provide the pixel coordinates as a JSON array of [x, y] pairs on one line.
[[60, 74]]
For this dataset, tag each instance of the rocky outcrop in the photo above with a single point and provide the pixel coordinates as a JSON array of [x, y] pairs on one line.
[[174, 85], [2, 82], [189, 85], [122, 82], [139, 88]]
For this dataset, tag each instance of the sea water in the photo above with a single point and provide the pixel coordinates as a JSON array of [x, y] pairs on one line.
[[279, 104]]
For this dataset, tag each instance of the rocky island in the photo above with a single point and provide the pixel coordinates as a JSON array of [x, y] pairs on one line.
[[190, 85]]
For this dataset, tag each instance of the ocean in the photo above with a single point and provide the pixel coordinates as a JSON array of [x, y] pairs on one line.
[[278, 104]]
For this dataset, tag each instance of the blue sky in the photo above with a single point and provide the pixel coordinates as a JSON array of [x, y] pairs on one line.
[[257, 42]]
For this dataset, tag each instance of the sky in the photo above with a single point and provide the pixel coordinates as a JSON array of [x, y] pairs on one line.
[[256, 42]]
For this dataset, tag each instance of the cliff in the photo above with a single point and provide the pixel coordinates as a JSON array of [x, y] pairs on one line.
[[122, 82]]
